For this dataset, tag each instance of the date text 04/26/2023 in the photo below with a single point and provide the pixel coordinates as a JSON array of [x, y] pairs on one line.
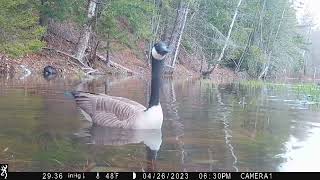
[[206, 175]]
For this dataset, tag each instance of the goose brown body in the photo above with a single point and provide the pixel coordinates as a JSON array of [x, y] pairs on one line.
[[111, 111]]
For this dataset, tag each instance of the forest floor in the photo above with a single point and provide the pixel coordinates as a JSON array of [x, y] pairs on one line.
[[67, 67]]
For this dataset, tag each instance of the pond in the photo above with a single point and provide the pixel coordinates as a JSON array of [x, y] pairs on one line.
[[207, 127]]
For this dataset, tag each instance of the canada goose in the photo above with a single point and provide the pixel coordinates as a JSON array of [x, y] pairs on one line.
[[121, 112]]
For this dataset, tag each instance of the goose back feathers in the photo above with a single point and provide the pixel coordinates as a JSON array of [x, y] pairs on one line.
[[118, 112]]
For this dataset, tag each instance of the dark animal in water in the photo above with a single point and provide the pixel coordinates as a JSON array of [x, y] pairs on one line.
[[49, 70]]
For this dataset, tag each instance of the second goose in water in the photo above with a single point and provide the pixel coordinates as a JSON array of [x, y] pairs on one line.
[[121, 112]]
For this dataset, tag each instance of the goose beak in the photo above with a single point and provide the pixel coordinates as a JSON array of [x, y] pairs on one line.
[[162, 48], [166, 50]]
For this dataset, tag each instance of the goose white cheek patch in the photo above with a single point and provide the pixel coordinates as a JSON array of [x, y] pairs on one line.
[[156, 55]]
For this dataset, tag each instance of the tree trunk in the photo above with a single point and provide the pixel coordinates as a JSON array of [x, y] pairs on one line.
[[93, 54], [261, 22], [226, 42], [165, 34], [85, 34], [248, 44], [250, 38], [201, 65], [305, 59], [43, 19], [267, 65], [155, 23], [108, 49], [176, 35]]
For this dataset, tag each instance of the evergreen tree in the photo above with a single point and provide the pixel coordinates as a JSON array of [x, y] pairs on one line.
[[19, 30]]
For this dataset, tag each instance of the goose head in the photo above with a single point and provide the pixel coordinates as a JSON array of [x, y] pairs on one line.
[[159, 51]]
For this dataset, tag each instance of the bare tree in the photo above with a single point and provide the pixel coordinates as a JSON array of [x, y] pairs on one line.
[[269, 56], [86, 32], [226, 42], [155, 23], [176, 35]]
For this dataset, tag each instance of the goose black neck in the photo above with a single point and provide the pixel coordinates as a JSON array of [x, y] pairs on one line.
[[155, 82]]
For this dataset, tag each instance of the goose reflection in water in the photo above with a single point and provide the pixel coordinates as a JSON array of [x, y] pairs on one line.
[[152, 139]]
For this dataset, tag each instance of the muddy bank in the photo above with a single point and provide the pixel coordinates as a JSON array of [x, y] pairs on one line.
[[67, 67]]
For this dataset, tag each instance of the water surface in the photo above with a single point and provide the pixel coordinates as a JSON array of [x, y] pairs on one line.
[[207, 127]]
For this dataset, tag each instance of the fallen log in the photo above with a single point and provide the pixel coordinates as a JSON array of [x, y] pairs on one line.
[[66, 54], [90, 70], [84, 66], [116, 65]]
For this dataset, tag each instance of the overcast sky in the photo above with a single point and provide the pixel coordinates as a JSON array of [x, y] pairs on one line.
[[311, 7]]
